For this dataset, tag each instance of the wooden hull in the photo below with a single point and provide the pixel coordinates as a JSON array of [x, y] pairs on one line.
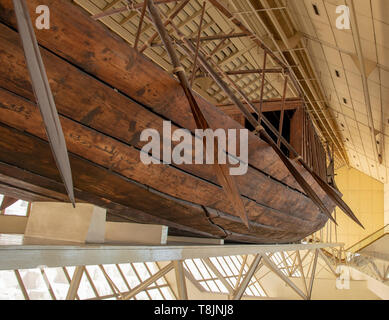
[[84, 62]]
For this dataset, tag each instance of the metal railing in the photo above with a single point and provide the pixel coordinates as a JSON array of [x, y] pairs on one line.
[[369, 239]]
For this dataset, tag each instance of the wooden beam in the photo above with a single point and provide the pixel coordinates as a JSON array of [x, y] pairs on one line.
[[107, 13], [21, 285], [259, 71], [123, 232], [7, 202], [296, 129], [267, 106], [192, 240], [241, 271], [75, 283], [180, 280], [221, 171], [245, 282]]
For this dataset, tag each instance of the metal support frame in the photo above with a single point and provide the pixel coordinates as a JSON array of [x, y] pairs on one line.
[[149, 281], [245, 276], [313, 273], [180, 280], [283, 277], [75, 283], [246, 280], [216, 271]]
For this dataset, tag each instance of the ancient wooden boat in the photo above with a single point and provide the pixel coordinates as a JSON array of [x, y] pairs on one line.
[[106, 93]]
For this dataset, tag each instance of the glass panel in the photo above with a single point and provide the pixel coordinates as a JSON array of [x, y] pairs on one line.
[[142, 296], [213, 286], [34, 284], [193, 269], [221, 286], [58, 282], [9, 286], [167, 293], [231, 265], [224, 265], [85, 290], [217, 265], [142, 271], [19, 208], [202, 268], [99, 281], [115, 276], [130, 275], [155, 294]]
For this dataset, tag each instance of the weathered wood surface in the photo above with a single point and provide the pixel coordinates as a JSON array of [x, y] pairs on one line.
[[93, 48], [98, 185], [74, 35], [102, 129], [96, 147], [123, 119]]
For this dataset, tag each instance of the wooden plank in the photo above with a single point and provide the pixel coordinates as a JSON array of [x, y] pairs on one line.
[[193, 240], [75, 283], [60, 221], [102, 120], [180, 280], [267, 106], [121, 232], [247, 278], [157, 176], [7, 202], [130, 77]]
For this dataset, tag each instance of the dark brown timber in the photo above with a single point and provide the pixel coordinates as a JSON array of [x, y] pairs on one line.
[[102, 128], [225, 179]]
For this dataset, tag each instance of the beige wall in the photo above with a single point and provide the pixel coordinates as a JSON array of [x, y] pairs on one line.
[[365, 196], [386, 203], [12, 224]]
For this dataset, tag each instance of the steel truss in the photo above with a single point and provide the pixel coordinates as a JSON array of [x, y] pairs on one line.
[[220, 269]]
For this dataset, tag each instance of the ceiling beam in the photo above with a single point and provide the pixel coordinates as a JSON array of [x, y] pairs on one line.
[[268, 105]]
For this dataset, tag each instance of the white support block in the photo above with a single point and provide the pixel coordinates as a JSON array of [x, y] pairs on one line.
[[134, 233], [60, 221], [187, 240]]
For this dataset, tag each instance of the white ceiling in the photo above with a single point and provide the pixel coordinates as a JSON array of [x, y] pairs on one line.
[[332, 49]]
